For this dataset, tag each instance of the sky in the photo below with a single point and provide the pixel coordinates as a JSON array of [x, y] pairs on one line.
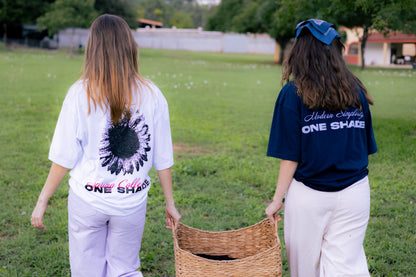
[[211, 2]]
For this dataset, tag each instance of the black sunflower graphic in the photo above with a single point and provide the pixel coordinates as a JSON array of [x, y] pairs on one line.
[[125, 145]]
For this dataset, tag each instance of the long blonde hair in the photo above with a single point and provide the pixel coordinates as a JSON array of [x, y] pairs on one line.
[[111, 70]]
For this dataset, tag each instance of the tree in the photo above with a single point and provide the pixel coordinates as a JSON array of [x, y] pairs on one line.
[[16, 12], [396, 16], [275, 17], [353, 14], [282, 22], [222, 18], [286, 14], [68, 14], [194, 14], [153, 9], [181, 19], [380, 15], [246, 20], [178, 13], [278, 17], [199, 14], [123, 8]]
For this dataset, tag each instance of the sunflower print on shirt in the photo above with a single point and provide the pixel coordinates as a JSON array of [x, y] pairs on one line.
[[125, 145]]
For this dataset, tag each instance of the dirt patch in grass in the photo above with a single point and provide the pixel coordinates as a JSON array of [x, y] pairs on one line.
[[185, 149], [411, 134]]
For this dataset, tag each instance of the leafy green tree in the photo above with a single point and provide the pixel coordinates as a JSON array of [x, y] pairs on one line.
[[275, 17], [68, 14], [282, 23], [190, 10], [153, 10], [380, 15], [199, 14], [246, 20], [16, 12], [181, 19], [399, 15], [177, 4], [222, 18], [178, 13], [287, 13], [123, 8], [279, 17]]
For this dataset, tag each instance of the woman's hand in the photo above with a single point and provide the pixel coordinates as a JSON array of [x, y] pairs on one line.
[[172, 214], [272, 209], [165, 177], [37, 215], [56, 174], [286, 171]]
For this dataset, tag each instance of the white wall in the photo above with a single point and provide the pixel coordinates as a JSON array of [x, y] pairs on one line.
[[179, 39], [260, 43], [79, 37], [374, 54], [185, 39]]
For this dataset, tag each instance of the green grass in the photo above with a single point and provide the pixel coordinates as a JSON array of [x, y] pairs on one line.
[[221, 107]]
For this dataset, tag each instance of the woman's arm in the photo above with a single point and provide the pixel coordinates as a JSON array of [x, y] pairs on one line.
[[286, 172], [165, 177], [56, 174]]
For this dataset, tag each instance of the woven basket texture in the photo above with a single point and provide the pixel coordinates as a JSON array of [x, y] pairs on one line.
[[253, 251]]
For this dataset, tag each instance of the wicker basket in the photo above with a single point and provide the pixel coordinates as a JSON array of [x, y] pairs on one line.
[[252, 251]]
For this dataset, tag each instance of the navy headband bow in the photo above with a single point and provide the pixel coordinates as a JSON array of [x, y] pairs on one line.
[[320, 29]]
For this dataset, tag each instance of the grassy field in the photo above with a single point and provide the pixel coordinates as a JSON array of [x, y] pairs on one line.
[[221, 107]]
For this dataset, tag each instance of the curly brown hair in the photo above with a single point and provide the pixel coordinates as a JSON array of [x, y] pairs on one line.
[[321, 75]]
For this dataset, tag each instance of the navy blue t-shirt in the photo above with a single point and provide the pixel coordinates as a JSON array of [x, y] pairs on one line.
[[331, 148]]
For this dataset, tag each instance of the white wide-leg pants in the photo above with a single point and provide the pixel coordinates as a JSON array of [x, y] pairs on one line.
[[101, 245], [324, 231]]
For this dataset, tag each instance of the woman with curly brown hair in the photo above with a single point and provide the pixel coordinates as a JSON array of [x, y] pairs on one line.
[[322, 132]]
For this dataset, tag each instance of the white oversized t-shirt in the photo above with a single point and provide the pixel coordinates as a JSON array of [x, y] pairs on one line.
[[110, 163]]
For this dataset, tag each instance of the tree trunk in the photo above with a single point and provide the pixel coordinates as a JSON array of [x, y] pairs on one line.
[[282, 52], [5, 40], [363, 43], [277, 52], [71, 44], [282, 44]]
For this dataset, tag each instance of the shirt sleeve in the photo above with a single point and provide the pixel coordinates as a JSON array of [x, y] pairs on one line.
[[285, 135], [66, 148], [371, 141], [163, 150]]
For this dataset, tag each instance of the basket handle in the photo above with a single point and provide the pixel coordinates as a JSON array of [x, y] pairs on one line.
[[173, 228], [175, 241], [276, 224]]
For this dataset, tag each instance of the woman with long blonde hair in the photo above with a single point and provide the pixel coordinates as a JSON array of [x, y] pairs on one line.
[[112, 129]]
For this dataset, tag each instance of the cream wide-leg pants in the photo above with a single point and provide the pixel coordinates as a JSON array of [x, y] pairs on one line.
[[324, 231], [101, 245]]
